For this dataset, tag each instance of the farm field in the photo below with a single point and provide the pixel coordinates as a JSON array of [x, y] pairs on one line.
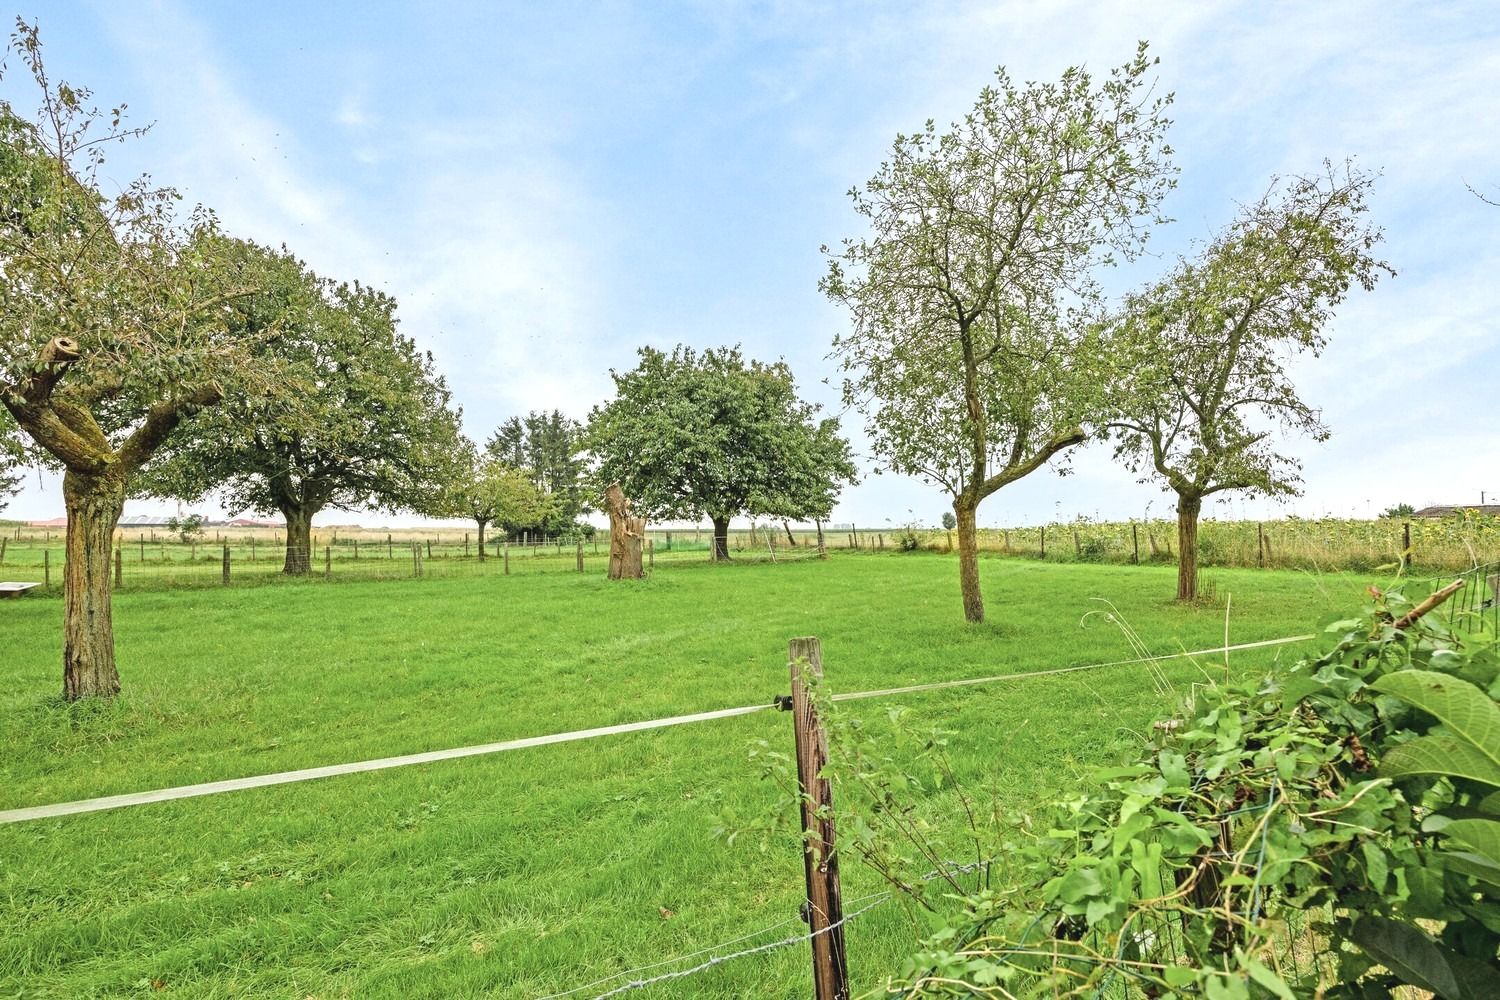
[[540, 870]]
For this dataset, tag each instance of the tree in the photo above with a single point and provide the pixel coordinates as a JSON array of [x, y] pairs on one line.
[[949, 521], [188, 528], [12, 455], [1201, 381], [117, 323], [691, 434], [363, 422], [1399, 510], [969, 355], [547, 446], [488, 491]]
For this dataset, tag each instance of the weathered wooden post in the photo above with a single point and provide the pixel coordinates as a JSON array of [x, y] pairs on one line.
[[822, 548], [356, 550], [507, 557], [1260, 544], [429, 548], [416, 559], [2, 550], [580, 553], [327, 562], [143, 547], [1406, 545], [390, 548], [1044, 541], [820, 860], [226, 564], [1005, 537], [626, 532], [119, 568], [1135, 543], [47, 568], [252, 548]]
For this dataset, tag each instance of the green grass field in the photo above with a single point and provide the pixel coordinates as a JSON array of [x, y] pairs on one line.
[[531, 872]]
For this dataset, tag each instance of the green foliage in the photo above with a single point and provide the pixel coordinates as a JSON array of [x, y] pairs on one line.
[[949, 521], [1399, 510], [489, 491], [359, 419], [1322, 811], [147, 303], [690, 434], [188, 528], [548, 447], [968, 353], [1200, 357]]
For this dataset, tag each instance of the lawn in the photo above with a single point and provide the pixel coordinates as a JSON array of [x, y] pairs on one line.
[[535, 871]]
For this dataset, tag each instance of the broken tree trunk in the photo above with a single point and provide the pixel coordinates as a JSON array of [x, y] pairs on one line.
[[626, 536]]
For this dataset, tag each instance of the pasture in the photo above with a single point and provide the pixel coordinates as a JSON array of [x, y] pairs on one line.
[[540, 870]]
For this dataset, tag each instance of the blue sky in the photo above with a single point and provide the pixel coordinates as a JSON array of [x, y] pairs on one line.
[[545, 187]]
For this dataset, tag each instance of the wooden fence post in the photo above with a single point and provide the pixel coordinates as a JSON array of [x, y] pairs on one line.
[[2, 550], [143, 547], [390, 548], [119, 568], [252, 548], [429, 548], [1044, 541], [226, 564], [820, 861], [47, 568], [507, 557], [651, 554], [327, 562], [1260, 544], [1135, 542], [1406, 545], [356, 549], [416, 559], [580, 553]]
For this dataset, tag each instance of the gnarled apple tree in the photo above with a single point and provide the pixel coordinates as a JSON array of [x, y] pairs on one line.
[[362, 420], [690, 434], [1200, 385], [117, 323], [968, 353]]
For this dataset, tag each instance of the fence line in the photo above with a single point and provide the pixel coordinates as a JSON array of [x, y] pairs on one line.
[[57, 809]]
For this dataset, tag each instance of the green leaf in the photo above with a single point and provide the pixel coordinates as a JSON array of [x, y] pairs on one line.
[[1441, 755], [1265, 977], [1415, 958], [1467, 711], [1483, 835]]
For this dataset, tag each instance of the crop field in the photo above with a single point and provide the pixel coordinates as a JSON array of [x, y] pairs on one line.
[[536, 871]]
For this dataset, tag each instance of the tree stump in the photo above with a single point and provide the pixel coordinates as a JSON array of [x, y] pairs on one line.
[[626, 536]]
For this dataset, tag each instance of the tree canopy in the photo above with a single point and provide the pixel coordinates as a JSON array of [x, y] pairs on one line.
[[970, 295], [1201, 389], [693, 434], [118, 321], [488, 491], [362, 421], [548, 448]]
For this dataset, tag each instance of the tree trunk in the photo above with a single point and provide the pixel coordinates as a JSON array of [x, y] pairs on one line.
[[94, 504], [968, 562], [481, 538], [1187, 546], [721, 539], [627, 536], [298, 540], [791, 539]]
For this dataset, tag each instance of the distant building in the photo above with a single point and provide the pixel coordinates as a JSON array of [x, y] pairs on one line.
[[246, 522], [1456, 510], [56, 522]]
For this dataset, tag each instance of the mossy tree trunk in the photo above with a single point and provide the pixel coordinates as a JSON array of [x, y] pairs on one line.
[[968, 560], [1188, 508], [94, 504]]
